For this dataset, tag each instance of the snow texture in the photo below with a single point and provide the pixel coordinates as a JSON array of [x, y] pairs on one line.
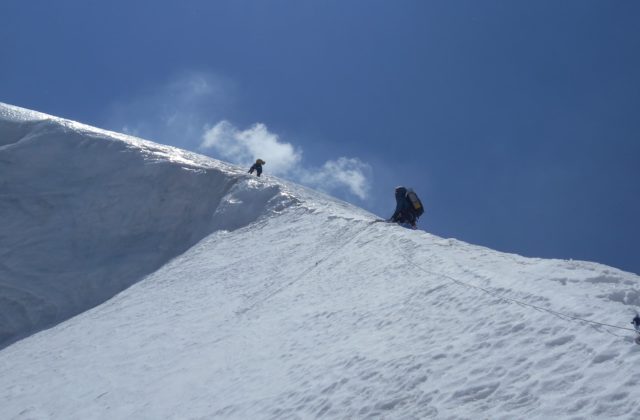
[[200, 291]]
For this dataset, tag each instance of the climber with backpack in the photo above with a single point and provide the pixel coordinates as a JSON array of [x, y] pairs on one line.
[[257, 167], [408, 208]]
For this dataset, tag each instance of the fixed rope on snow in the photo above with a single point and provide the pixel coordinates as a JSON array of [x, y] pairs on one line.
[[308, 270], [595, 324]]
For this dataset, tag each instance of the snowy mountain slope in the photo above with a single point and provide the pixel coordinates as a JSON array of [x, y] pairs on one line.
[[309, 308], [86, 213]]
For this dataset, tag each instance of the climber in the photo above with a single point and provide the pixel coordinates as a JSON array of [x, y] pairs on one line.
[[257, 167]]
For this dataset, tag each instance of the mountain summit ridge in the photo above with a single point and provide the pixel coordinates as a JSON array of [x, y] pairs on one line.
[[215, 294]]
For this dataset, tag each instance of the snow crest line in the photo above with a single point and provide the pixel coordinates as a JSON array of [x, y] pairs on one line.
[[560, 315]]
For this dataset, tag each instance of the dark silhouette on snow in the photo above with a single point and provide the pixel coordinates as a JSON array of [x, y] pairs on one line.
[[257, 167], [408, 208]]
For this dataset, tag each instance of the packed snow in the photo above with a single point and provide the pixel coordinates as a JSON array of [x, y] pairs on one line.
[[177, 286]]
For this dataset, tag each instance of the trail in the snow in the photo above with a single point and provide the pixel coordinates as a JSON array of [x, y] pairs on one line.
[[279, 302]]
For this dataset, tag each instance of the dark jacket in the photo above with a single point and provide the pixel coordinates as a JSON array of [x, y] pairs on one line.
[[257, 167], [404, 210]]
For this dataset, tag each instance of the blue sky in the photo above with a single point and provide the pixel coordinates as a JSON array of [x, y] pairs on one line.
[[517, 122]]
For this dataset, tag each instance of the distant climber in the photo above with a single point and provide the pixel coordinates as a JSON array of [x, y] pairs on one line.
[[257, 167], [408, 208], [636, 326]]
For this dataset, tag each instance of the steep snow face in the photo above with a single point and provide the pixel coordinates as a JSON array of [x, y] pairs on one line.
[[86, 213], [311, 308]]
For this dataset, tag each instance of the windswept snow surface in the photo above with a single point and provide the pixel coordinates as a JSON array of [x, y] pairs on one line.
[[86, 213], [289, 305]]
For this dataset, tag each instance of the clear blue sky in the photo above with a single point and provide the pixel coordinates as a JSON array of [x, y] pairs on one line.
[[517, 122]]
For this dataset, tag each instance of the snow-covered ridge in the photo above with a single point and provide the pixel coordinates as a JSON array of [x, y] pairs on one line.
[[291, 304], [87, 212]]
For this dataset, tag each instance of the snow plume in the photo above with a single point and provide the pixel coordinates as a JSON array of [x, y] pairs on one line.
[[178, 112], [350, 173], [175, 112], [244, 146]]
